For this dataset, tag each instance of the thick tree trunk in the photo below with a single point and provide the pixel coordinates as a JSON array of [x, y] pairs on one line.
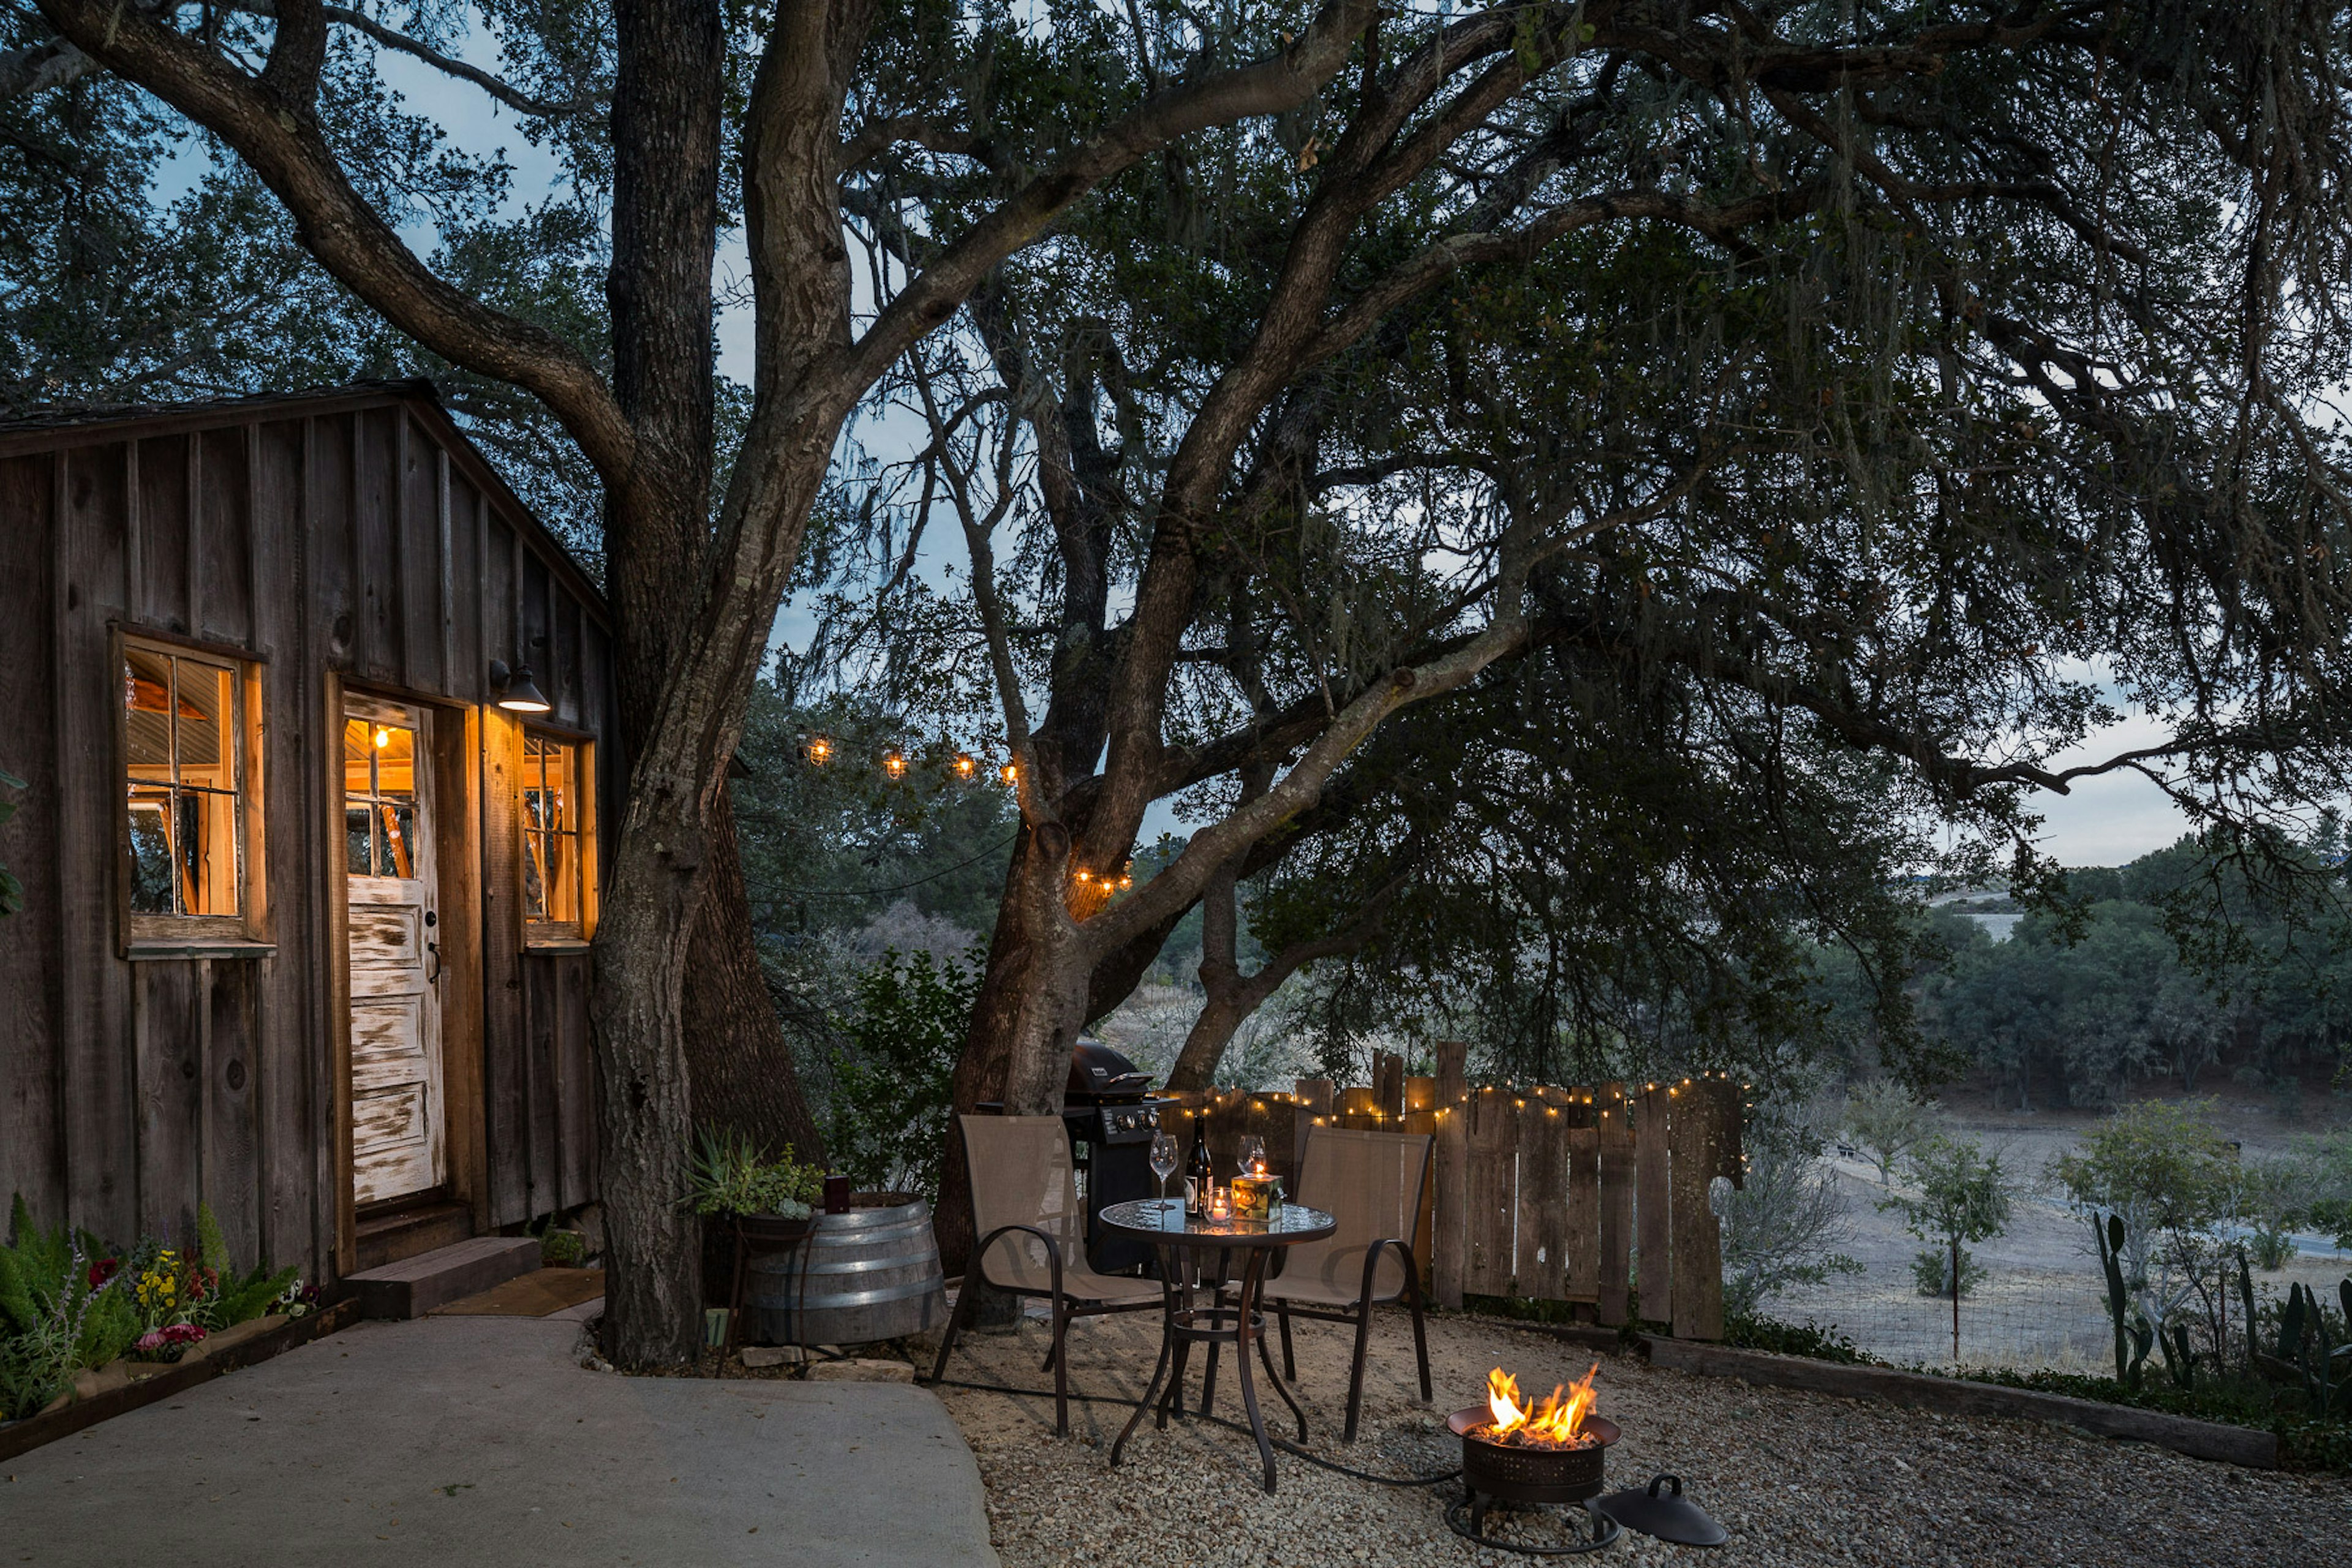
[[653, 1240], [738, 1057], [1032, 1002]]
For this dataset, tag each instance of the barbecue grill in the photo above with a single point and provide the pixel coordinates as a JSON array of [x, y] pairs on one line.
[[1112, 1117]]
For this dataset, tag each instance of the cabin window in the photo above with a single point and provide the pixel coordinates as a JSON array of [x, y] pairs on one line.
[[559, 839], [379, 799], [185, 745]]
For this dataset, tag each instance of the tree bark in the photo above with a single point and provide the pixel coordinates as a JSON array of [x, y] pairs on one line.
[[737, 1055]]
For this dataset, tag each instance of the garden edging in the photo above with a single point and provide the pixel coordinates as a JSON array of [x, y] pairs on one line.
[[111, 1398], [1957, 1396]]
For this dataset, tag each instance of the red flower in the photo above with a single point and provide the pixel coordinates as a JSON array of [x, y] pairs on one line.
[[103, 1271]]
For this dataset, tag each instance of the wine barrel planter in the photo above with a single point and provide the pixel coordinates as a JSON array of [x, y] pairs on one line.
[[870, 1274]]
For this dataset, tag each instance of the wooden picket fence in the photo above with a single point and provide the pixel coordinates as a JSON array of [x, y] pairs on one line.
[[1596, 1197]]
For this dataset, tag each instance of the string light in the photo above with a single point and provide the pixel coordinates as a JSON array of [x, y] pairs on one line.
[[894, 764], [1010, 772], [820, 749], [963, 765]]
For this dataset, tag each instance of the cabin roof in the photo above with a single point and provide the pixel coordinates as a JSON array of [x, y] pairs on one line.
[[51, 427]]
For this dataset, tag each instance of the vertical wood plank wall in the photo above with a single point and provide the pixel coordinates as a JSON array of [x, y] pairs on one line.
[[349, 538], [1539, 1193]]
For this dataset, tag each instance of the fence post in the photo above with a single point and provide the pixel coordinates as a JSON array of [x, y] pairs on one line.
[[1449, 1218], [1616, 1201], [1313, 1100], [1653, 1264]]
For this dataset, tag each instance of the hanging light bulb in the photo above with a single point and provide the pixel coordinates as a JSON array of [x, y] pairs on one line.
[[382, 738], [820, 749], [894, 763], [1010, 772], [963, 765]]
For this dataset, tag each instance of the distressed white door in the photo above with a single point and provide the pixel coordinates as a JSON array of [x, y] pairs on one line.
[[398, 1120]]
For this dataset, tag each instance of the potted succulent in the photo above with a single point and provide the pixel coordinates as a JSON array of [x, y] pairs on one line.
[[738, 1190]]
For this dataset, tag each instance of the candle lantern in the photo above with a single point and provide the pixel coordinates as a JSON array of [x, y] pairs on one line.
[[1256, 1192]]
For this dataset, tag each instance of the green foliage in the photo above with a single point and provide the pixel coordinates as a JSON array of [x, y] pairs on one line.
[[892, 1072], [1751, 1331], [52, 1320], [729, 1175], [12, 891], [1785, 1224], [1964, 1193], [1931, 1272], [1886, 1118], [2306, 1441]]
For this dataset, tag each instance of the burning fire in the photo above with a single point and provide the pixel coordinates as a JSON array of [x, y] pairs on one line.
[[1559, 1421]]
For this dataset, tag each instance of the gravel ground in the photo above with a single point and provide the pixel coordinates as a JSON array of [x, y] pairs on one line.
[[1798, 1478]]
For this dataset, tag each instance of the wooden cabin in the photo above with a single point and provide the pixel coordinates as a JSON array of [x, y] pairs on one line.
[[312, 715]]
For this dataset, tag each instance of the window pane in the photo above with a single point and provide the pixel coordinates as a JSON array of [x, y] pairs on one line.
[[147, 721], [562, 877], [358, 858], [396, 819], [150, 849], [534, 882], [205, 725], [395, 760], [207, 843], [356, 754]]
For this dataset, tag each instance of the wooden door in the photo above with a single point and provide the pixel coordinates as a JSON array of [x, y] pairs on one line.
[[399, 1115]]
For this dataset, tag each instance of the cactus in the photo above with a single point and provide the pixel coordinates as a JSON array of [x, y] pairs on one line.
[[2178, 1358], [2246, 1295], [2134, 1337], [2317, 1356]]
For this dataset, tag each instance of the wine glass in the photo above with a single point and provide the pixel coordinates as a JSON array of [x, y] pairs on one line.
[[1163, 1162], [1251, 1153]]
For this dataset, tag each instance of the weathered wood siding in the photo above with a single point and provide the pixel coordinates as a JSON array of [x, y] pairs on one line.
[[352, 537]]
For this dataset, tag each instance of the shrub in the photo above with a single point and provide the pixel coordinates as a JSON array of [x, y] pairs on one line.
[[1931, 1271], [893, 1071]]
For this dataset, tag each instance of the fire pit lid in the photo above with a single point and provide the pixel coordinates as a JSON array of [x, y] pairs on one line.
[[1672, 1517]]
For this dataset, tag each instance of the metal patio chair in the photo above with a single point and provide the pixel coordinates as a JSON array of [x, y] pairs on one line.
[[1374, 1184], [1031, 1233]]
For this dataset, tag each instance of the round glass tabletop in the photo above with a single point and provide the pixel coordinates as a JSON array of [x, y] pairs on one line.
[[1164, 1220]]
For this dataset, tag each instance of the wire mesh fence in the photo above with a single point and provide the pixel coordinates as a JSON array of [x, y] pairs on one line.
[[2038, 1305]]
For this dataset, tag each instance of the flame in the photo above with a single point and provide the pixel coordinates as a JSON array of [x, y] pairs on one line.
[[1558, 1419]]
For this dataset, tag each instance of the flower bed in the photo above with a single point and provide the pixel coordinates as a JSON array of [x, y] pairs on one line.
[[75, 1313]]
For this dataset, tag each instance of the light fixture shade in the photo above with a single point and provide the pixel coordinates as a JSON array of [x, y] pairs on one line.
[[518, 693]]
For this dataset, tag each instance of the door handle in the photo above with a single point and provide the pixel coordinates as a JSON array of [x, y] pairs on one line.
[[433, 953]]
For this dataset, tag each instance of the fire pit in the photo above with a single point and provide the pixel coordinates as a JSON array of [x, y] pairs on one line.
[[1517, 1452]]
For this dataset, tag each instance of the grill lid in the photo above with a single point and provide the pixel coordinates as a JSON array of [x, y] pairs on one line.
[[1674, 1518], [1098, 1072]]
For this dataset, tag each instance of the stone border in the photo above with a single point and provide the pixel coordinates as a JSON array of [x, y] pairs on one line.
[[23, 1436], [1958, 1396]]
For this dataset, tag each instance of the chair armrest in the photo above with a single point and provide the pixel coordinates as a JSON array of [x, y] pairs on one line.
[[1053, 1252], [1373, 1264]]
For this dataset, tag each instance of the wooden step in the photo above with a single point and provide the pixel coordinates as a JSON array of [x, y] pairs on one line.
[[392, 1235], [415, 1285]]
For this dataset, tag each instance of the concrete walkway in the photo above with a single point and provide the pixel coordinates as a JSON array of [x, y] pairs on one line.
[[480, 1440]]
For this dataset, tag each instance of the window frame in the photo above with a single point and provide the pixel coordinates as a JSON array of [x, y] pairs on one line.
[[545, 935], [145, 932]]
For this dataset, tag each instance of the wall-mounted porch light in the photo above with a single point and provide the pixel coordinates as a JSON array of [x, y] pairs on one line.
[[516, 691]]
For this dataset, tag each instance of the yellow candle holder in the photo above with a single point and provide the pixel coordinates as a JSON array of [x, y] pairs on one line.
[[1254, 1197]]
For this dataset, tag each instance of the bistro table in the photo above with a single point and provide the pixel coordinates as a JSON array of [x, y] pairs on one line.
[[1163, 1223]]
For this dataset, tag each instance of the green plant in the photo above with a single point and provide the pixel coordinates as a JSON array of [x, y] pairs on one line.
[[893, 1070], [1964, 1194], [1884, 1119], [1752, 1331], [37, 1266], [562, 1248], [1931, 1271], [12, 891], [229, 1297], [2134, 1337], [729, 1175]]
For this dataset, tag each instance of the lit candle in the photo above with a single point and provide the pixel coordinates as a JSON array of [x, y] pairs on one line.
[[1255, 1193]]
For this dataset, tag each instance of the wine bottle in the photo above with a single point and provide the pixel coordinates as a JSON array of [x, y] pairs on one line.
[[1196, 1170]]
